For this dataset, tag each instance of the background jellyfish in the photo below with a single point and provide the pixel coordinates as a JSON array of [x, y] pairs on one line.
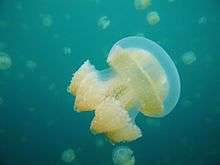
[[141, 4], [153, 18], [188, 57], [123, 155], [142, 78], [68, 155], [31, 65], [5, 61], [103, 22]]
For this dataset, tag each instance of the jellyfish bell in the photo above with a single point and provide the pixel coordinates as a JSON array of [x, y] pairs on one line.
[[123, 155], [5, 61], [141, 78], [155, 64], [68, 155]]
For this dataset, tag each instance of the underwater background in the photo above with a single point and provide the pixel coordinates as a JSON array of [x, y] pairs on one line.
[[46, 41]]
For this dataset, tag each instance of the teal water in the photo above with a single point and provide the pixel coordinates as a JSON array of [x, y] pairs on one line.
[[49, 40]]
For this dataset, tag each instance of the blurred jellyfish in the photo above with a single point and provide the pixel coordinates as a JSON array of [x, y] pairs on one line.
[[171, 0], [103, 22], [141, 78], [67, 16], [2, 46], [142, 4], [99, 142], [47, 20], [202, 20], [68, 155], [32, 109], [20, 75], [189, 57], [186, 103], [52, 86], [3, 23], [5, 61], [31, 65], [1, 100], [153, 18], [2, 131], [23, 139], [67, 51], [140, 34], [19, 6], [153, 122], [123, 155]]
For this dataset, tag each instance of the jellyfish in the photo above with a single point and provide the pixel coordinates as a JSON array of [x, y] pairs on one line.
[[47, 20], [189, 57], [141, 78], [141, 4], [68, 155], [30, 64], [202, 20], [99, 142], [5, 61], [103, 22], [1, 100], [67, 50], [153, 18], [123, 155]]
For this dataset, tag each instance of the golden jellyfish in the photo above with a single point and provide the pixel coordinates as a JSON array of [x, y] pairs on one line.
[[5, 61], [188, 57], [142, 4], [103, 22], [141, 78], [30, 64], [153, 18], [123, 155], [68, 155]]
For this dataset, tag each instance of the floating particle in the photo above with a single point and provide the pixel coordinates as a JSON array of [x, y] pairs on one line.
[[99, 142], [142, 4], [5, 61], [2, 131], [189, 57], [52, 86], [23, 139], [21, 76], [140, 34], [3, 23], [68, 155], [47, 20], [2, 46], [153, 122], [67, 50], [103, 22], [32, 109], [202, 20], [25, 27], [123, 155], [171, 0], [186, 103], [94, 1], [67, 16], [19, 6], [30, 64], [1, 100], [153, 18]]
